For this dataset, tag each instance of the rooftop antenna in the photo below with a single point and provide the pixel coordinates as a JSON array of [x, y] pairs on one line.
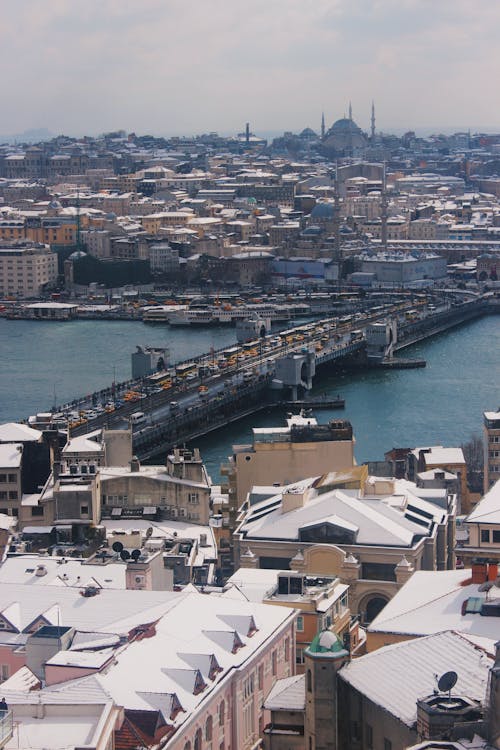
[[446, 682]]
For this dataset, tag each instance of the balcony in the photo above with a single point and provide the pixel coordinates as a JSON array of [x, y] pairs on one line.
[[6, 727]]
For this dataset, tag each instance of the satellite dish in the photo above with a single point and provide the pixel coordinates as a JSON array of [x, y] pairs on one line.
[[447, 681], [117, 546], [124, 554], [135, 554]]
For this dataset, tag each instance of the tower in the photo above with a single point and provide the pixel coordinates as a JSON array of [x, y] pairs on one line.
[[323, 659], [373, 122], [322, 125], [247, 132], [350, 111]]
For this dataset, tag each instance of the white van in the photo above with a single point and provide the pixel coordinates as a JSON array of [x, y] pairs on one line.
[[137, 417]]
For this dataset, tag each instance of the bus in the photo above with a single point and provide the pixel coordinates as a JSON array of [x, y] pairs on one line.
[[183, 370], [231, 353]]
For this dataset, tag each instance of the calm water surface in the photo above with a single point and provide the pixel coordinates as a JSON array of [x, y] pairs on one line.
[[442, 403]]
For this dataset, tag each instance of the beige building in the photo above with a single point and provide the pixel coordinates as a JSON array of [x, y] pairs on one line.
[[491, 437], [321, 600], [26, 269], [373, 536], [180, 490], [281, 455], [10, 477]]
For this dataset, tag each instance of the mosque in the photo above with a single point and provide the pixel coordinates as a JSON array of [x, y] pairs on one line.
[[345, 137]]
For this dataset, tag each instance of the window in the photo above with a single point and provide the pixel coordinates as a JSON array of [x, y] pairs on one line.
[[387, 744], [309, 681], [261, 677], [496, 536], [36, 510], [12, 478], [299, 656], [287, 649], [84, 510], [485, 535], [274, 662], [300, 624], [208, 729], [3, 495], [197, 740], [4, 672], [3, 477], [354, 730], [222, 713], [193, 498], [369, 736]]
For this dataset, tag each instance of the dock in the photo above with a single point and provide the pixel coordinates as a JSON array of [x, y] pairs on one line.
[[319, 403], [396, 363]]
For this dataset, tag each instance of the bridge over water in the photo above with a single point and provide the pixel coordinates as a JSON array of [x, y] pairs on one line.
[[281, 371]]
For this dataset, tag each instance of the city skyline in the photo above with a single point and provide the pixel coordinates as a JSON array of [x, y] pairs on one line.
[[163, 67]]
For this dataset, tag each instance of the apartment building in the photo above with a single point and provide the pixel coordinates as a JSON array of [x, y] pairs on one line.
[[491, 442], [26, 269]]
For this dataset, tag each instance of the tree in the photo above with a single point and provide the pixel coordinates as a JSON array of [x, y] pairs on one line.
[[474, 458]]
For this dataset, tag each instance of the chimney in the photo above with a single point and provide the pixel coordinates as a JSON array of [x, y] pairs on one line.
[[135, 464], [479, 572]]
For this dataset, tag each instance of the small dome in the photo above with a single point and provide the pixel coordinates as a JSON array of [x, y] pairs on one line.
[[325, 642], [77, 254], [323, 211], [55, 205]]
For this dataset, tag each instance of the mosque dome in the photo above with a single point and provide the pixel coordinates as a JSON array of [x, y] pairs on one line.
[[326, 642], [345, 138], [308, 133], [54, 207]]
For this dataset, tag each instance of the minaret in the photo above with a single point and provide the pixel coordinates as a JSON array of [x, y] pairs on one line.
[[323, 660], [322, 125], [350, 130], [384, 213], [373, 121]]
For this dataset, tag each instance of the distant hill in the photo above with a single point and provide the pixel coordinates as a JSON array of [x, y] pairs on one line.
[[34, 135]]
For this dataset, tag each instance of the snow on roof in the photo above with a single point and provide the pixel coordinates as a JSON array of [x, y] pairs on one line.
[[377, 522], [430, 602], [156, 473], [437, 454], [111, 609], [287, 695], [10, 455], [12, 432], [488, 509], [165, 530], [253, 583], [168, 662], [396, 676], [62, 572], [84, 444], [7, 522]]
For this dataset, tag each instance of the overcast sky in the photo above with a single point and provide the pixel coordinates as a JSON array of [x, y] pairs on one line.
[[192, 66]]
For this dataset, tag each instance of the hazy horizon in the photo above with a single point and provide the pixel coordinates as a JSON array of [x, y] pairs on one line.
[[181, 67]]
